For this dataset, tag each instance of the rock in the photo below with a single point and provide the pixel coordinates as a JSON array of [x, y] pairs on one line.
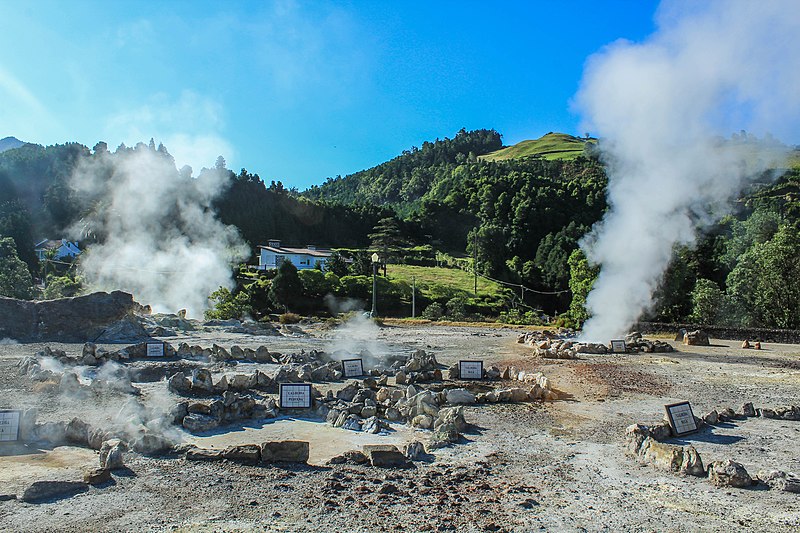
[[748, 410], [196, 422], [202, 454], [77, 432], [711, 418], [400, 378], [661, 431], [96, 476], [779, 480], [413, 450], [684, 460], [112, 454], [728, 473], [353, 422], [348, 392], [287, 451], [243, 453], [354, 457], [444, 436], [41, 491], [635, 435], [202, 381], [385, 456], [745, 344], [492, 373], [696, 338], [69, 383], [727, 414], [52, 432], [372, 425], [179, 383], [757, 345], [679, 336], [422, 421], [368, 411], [151, 444], [460, 396]]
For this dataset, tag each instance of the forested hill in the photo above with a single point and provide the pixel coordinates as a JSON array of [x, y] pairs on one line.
[[409, 176]]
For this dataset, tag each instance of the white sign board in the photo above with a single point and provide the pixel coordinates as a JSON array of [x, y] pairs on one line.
[[295, 395], [352, 368], [681, 418], [9, 425], [618, 346], [470, 369], [155, 349]]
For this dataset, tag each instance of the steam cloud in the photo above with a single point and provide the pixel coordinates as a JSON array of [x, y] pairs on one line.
[[659, 107], [160, 240]]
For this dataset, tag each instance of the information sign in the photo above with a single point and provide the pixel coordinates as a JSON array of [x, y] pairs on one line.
[[295, 395], [470, 369], [352, 368], [681, 418], [9, 425], [155, 349], [618, 346]]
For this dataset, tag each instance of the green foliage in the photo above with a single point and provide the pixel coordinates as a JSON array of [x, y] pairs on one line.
[[15, 278], [315, 284], [61, 287], [520, 318], [456, 308], [581, 280], [707, 300], [336, 264], [15, 222], [764, 287], [552, 256], [286, 288], [433, 312], [226, 305]]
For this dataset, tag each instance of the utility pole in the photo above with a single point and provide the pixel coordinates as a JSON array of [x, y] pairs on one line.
[[374, 311], [413, 297], [475, 260]]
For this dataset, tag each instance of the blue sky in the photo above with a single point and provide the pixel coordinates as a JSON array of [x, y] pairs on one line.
[[298, 91]]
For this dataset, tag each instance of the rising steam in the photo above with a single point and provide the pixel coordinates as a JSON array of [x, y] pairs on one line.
[[159, 238], [660, 108]]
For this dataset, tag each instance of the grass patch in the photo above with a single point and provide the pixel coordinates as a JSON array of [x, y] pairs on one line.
[[436, 283], [550, 146]]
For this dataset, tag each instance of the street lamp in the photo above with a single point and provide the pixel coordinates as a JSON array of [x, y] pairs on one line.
[[374, 311]]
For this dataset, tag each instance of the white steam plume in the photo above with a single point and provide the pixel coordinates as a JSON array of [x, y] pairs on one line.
[[660, 108], [159, 238]]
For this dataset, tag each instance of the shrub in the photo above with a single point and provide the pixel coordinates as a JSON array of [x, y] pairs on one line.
[[289, 318], [433, 312]]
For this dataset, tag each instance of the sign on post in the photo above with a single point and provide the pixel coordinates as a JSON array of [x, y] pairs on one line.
[[155, 349], [9, 425], [470, 369], [295, 396], [681, 418], [618, 346], [352, 368]]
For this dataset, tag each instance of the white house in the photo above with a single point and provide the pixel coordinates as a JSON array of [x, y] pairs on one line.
[[272, 255], [64, 249]]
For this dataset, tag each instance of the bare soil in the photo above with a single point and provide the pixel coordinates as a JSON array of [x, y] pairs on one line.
[[557, 466]]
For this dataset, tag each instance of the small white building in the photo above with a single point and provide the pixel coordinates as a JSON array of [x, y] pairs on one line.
[[64, 249], [272, 255]]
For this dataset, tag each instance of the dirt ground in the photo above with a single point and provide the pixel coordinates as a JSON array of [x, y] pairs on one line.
[[557, 466]]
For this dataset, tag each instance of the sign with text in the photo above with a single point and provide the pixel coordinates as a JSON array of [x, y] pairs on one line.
[[470, 369], [295, 396], [618, 346], [155, 349], [352, 368], [681, 418], [9, 425]]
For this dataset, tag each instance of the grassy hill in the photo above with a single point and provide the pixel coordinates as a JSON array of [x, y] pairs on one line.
[[550, 146], [434, 283]]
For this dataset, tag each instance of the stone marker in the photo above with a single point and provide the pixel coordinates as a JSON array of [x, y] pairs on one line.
[[287, 451]]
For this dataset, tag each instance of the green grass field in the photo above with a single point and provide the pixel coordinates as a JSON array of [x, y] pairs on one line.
[[434, 282], [550, 146]]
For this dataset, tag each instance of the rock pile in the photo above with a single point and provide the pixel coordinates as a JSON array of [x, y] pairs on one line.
[[549, 346], [199, 416], [645, 444]]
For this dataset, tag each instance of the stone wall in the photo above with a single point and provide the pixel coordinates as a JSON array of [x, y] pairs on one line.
[[78, 319], [787, 336]]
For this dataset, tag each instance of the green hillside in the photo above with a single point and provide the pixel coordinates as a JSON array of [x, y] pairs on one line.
[[550, 146]]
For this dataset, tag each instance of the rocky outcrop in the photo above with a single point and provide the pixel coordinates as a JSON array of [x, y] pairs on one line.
[[78, 319]]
